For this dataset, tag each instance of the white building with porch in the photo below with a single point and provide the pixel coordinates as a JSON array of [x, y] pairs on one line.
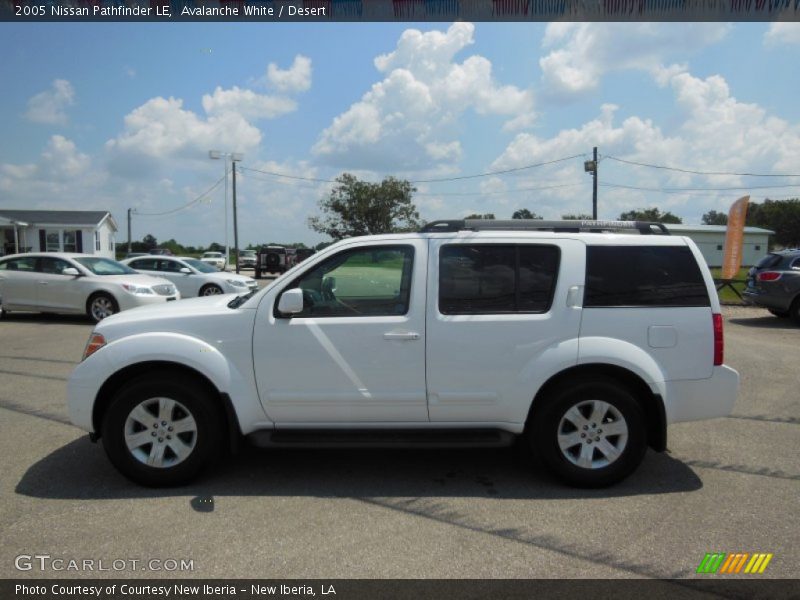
[[87, 231]]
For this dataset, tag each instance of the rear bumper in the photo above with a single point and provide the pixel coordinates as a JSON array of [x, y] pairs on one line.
[[756, 297], [697, 399]]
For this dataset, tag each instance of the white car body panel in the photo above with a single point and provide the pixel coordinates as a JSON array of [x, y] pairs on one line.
[[219, 347]]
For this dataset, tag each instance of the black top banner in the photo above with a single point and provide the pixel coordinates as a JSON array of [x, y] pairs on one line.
[[399, 10]]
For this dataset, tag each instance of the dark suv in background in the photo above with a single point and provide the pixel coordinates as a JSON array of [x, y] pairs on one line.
[[774, 284]]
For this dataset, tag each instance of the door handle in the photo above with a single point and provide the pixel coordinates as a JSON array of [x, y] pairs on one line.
[[397, 335]]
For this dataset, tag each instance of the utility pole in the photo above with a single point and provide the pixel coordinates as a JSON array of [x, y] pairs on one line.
[[590, 166], [235, 222], [594, 186], [129, 231], [232, 157]]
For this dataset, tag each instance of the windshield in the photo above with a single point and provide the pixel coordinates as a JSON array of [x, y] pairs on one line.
[[200, 265], [105, 266], [248, 253], [212, 255]]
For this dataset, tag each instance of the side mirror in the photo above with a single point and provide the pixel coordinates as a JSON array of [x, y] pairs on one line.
[[71, 271], [186, 270], [291, 302]]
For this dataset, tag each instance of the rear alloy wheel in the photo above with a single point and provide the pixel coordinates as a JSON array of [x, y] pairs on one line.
[[101, 306], [210, 290], [591, 434], [161, 432]]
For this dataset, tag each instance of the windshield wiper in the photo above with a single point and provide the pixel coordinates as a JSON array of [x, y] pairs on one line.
[[239, 300]]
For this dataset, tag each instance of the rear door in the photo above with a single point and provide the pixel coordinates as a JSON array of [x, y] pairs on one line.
[[499, 324], [18, 282]]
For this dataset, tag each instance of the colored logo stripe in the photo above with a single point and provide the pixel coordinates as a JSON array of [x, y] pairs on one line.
[[711, 562], [758, 563]]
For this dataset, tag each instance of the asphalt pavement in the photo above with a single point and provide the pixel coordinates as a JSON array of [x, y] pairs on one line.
[[726, 485]]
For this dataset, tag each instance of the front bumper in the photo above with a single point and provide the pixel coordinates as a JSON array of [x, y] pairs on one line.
[[697, 399], [127, 301]]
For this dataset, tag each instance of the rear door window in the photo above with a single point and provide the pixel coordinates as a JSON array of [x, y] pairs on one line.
[[496, 279]]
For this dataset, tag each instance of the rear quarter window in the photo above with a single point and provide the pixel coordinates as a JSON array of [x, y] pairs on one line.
[[643, 276]]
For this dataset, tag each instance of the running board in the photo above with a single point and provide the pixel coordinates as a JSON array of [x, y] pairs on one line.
[[382, 438]]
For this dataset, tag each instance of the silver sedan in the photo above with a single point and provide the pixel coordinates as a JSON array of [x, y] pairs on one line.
[[191, 276], [70, 283]]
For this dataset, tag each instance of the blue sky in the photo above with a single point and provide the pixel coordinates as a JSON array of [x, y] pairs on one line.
[[112, 116]]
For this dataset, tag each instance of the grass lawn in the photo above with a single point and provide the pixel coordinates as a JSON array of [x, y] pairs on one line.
[[727, 296]]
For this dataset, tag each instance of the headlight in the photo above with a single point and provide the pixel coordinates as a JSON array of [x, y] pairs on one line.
[[96, 341], [137, 290], [236, 282]]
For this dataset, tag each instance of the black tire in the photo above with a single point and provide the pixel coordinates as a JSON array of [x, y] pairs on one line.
[[190, 395], [210, 290], [272, 260], [779, 313], [101, 305], [794, 311], [543, 433], [257, 274]]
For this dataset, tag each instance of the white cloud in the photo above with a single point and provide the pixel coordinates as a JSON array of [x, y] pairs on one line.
[[296, 78], [247, 103], [716, 132], [161, 128], [407, 120], [582, 53], [49, 106], [783, 33]]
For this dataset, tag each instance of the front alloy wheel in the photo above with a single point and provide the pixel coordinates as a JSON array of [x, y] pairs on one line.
[[102, 306], [211, 290], [160, 432], [161, 429]]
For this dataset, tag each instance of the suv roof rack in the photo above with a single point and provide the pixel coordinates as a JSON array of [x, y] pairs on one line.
[[573, 226]]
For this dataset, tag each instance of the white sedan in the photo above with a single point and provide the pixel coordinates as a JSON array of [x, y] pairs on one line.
[[61, 282], [216, 259], [192, 277]]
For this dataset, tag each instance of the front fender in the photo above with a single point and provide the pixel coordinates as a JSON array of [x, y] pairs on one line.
[[238, 382]]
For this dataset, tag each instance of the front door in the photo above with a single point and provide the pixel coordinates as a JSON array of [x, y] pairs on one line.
[[56, 291], [356, 354]]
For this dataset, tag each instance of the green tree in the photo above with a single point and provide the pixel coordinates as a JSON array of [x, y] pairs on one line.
[[524, 213], [713, 217], [357, 207], [650, 214], [781, 216], [576, 217], [149, 242], [483, 216]]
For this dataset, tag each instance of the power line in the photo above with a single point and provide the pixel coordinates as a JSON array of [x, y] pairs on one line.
[[436, 180], [693, 172], [708, 189], [187, 205], [542, 164]]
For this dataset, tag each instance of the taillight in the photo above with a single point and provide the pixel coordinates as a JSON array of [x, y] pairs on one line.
[[96, 341], [719, 344], [769, 276]]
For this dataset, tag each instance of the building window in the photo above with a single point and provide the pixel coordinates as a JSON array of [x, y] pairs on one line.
[[97, 241], [110, 241], [70, 244], [758, 248], [719, 246], [52, 241]]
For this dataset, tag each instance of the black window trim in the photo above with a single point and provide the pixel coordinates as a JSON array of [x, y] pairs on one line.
[[294, 282], [516, 246]]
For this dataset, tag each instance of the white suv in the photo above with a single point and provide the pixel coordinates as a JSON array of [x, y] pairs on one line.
[[583, 343]]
